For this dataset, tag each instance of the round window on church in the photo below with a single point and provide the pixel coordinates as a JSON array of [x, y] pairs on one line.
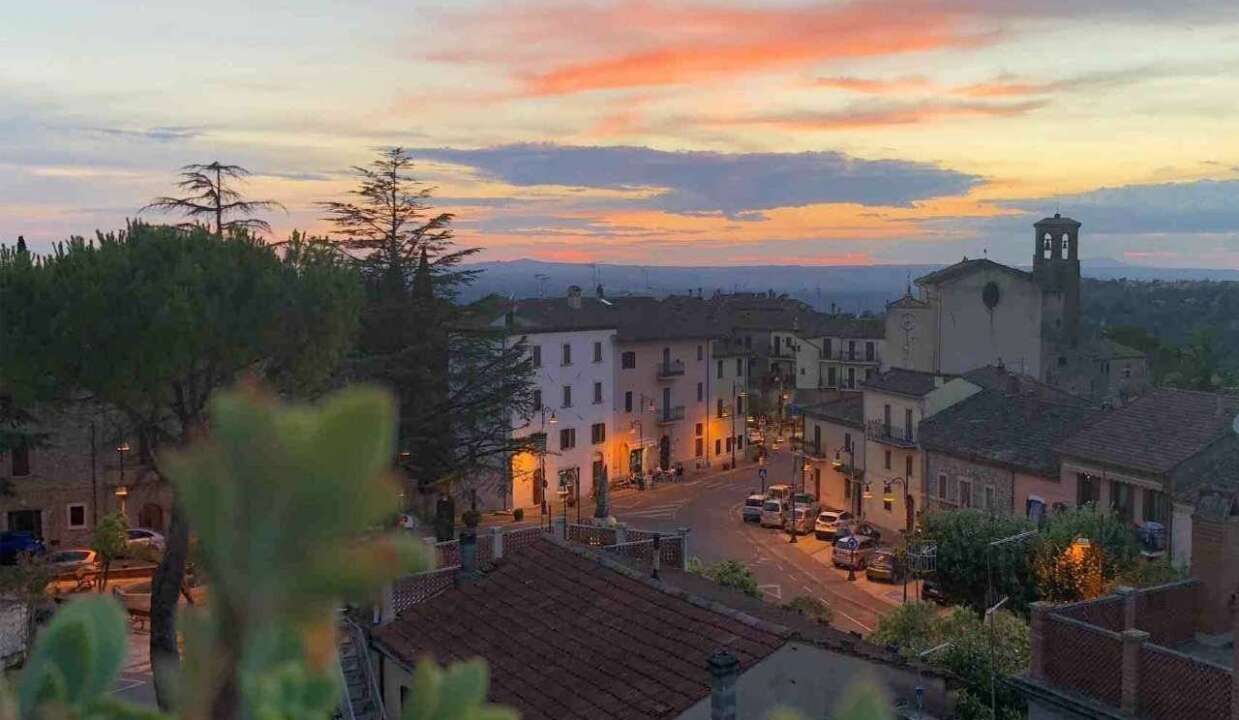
[[990, 295]]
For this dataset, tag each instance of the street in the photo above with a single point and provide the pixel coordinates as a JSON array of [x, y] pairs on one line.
[[710, 506]]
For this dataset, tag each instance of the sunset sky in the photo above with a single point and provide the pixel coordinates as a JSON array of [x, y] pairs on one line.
[[651, 132]]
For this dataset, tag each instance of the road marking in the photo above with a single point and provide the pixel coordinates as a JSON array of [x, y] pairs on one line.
[[774, 590]]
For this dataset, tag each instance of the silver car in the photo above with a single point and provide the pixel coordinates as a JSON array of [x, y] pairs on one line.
[[772, 513], [803, 517], [750, 511], [853, 551]]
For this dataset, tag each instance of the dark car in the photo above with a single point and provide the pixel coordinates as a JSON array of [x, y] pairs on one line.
[[14, 543], [931, 590], [884, 565]]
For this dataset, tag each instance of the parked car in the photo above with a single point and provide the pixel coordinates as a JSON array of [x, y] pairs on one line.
[[884, 565], [143, 536], [830, 522], [862, 528], [772, 513], [779, 492], [751, 510], [932, 590], [76, 562], [807, 500], [14, 543], [853, 551], [803, 517]]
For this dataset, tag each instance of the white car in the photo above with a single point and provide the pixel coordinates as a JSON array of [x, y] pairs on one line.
[[751, 510], [145, 537], [772, 513], [831, 523], [76, 562]]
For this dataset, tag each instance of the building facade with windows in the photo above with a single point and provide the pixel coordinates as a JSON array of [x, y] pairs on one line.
[[571, 341], [895, 403], [849, 350], [834, 446], [994, 451]]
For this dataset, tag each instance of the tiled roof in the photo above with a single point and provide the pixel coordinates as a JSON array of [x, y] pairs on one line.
[[570, 635], [1209, 476], [541, 315], [1000, 378], [1013, 430], [905, 382], [907, 301], [672, 317], [848, 410], [1058, 220], [843, 326], [967, 267], [1156, 432]]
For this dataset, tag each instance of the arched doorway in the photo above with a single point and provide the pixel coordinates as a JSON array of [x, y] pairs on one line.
[[151, 516], [664, 452]]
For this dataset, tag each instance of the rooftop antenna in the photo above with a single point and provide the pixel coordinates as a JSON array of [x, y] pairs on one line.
[[909, 285]]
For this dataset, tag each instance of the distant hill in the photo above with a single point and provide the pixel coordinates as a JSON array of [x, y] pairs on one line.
[[851, 288]]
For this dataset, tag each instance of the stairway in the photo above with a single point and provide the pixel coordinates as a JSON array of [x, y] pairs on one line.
[[361, 701]]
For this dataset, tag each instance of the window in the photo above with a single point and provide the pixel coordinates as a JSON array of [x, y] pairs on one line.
[[802, 371], [567, 355], [740, 442], [537, 355], [868, 374], [907, 467], [567, 396], [598, 433], [718, 447], [990, 501], [1154, 506], [907, 424], [739, 367], [886, 460], [942, 486], [720, 368], [739, 405], [847, 441], [826, 347], [1088, 489], [628, 401], [21, 461], [537, 400], [851, 378], [700, 447], [700, 428], [597, 393], [567, 438], [777, 339], [730, 443], [832, 376], [597, 351], [965, 494], [1122, 498], [628, 360], [720, 407], [699, 353], [851, 349], [701, 392], [77, 516], [748, 342], [869, 351]]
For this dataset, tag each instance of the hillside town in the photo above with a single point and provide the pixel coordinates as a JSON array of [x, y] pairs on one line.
[[658, 426]]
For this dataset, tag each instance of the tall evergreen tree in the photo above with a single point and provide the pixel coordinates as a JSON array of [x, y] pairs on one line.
[[457, 381], [213, 196]]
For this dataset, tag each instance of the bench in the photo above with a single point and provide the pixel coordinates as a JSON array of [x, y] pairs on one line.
[[140, 619]]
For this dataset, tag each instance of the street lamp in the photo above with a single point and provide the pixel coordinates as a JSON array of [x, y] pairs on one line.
[[542, 508], [993, 607], [121, 491]]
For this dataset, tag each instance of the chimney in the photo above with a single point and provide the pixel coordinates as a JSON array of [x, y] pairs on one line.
[[574, 297], [724, 669]]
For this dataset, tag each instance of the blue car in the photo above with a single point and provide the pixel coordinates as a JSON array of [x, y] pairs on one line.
[[14, 543]]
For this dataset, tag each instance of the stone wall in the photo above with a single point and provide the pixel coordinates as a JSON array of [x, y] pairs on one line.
[[980, 475]]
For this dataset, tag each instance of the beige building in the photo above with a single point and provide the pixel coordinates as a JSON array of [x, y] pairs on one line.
[[978, 312], [895, 402], [834, 442]]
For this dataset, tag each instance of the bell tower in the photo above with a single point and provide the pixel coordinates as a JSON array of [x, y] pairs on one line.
[[1056, 268]]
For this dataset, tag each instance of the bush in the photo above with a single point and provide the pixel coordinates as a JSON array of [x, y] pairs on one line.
[[1064, 574], [963, 537], [1143, 574], [813, 608], [728, 573]]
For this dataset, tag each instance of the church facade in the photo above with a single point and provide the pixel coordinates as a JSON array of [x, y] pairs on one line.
[[978, 312]]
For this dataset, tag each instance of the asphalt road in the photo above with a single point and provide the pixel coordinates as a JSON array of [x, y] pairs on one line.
[[710, 507]]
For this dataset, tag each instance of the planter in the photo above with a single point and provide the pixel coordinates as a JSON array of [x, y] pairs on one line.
[[518, 515]]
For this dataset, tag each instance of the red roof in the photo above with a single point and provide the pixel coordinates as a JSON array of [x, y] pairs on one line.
[[570, 635]]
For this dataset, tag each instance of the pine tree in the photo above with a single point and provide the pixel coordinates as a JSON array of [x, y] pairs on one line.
[[214, 197]]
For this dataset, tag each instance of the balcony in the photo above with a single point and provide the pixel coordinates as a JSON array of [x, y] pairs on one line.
[[670, 370], [858, 357], [783, 353], [879, 431], [669, 415]]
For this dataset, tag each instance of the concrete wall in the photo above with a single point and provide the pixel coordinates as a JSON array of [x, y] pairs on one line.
[[972, 334], [832, 490], [724, 386], [911, 338], [551, 378], [633, 428], [814, 680], [874, 509]]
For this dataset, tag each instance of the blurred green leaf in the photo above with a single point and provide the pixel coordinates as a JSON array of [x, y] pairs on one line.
[[78, 657]]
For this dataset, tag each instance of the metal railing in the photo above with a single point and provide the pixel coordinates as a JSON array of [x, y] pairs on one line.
[[357, 637], [857, 356], [672, 369], [879, 431]]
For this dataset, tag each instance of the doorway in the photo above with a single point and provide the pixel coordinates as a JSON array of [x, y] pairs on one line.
[[634, 462], [664, 452]]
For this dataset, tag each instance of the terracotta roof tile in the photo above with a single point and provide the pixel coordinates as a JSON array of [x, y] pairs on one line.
[[569, 636]]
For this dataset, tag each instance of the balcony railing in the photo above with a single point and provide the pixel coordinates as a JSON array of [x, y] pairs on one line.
[[784, 352], [879, 431], [858, 356], [668, 415], [668, 370]]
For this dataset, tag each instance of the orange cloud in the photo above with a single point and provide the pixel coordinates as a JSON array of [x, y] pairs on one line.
[[668, 44], [998, 89], [875, 85]]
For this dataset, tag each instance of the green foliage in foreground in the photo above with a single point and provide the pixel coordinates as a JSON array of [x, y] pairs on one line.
[[919, 627], [728, 573]]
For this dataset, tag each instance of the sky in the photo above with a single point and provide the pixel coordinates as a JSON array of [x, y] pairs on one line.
[[655, 132]]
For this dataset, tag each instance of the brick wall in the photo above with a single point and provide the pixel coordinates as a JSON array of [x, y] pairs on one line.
[[1083, 658], [1105, 613], [1215, 545], [1175, 686], [1168, 612]]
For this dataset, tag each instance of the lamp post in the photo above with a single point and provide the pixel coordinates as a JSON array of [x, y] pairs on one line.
[[122, 492], [801, 463], [542, 462]]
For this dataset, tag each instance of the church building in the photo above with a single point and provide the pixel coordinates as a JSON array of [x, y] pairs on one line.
[[979, 312]]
